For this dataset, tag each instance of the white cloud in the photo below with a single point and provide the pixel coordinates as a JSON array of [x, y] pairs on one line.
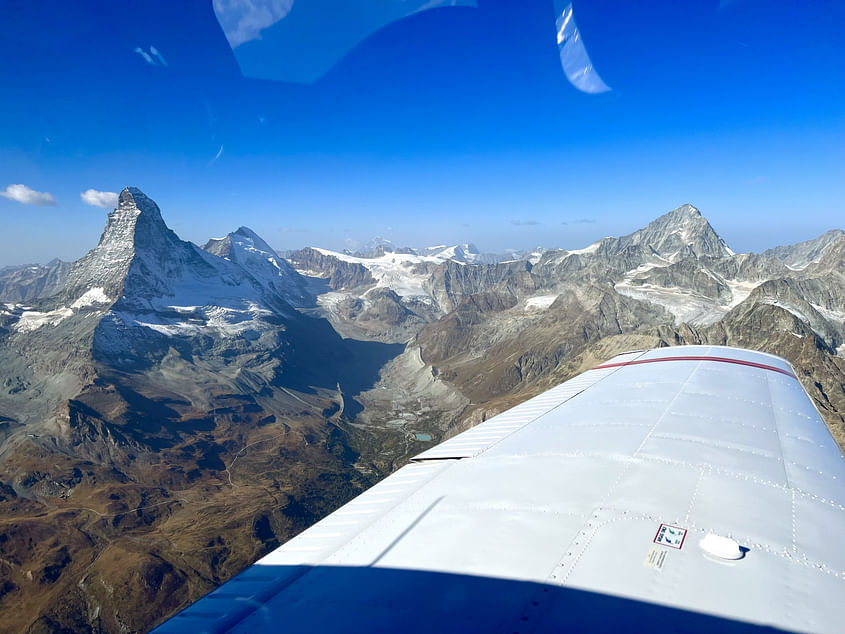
[[98, 198], [145, 55], [160, 57], [27, 196], [216, 156]]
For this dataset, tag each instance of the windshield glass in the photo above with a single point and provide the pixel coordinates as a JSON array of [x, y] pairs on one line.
[[258, 255], [509, 125]]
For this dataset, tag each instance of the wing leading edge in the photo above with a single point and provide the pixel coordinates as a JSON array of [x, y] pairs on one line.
[[687, 488]]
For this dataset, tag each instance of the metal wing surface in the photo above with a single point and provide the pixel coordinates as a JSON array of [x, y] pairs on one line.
[[678, 489]]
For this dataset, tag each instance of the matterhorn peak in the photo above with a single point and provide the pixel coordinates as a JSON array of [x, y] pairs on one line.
[[132, 197], [134, 230], [136, 219]]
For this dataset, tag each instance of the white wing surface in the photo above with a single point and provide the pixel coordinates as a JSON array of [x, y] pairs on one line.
[[678, 489]]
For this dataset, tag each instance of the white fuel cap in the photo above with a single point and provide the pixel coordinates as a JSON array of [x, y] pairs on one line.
[[721, 547]]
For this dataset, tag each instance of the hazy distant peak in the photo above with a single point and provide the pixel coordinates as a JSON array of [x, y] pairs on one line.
[[832, 256], [801, 254]]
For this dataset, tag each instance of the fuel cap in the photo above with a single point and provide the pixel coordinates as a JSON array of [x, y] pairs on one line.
[[721, 547]]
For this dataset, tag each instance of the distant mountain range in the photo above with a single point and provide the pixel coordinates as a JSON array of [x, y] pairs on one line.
[[169, 412]]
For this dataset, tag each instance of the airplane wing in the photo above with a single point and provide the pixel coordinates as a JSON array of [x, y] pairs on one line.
[[692, 488]]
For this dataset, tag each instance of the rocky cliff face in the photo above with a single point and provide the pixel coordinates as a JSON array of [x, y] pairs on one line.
[[338, 274], [451, 283]]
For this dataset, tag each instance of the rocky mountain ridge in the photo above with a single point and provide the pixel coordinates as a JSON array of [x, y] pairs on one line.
[[678, 263]]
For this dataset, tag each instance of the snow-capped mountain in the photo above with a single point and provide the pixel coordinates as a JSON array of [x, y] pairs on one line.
[[677, 263], [245, 248], [405, 271], [463, 253], [141, 283], [681, 233], [142, 292], [466, 253]]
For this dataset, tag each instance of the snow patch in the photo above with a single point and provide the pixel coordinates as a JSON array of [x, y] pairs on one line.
[[540, 302], [33, 320], [643, 268], [586, 250], [226, 322], [185, 309], [740, 290], [330, 300], [94, 296], [393, 270], [685, 306], [535, 256]]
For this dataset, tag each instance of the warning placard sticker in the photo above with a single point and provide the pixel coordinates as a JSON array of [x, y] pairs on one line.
[[671, 536], [655, 558]]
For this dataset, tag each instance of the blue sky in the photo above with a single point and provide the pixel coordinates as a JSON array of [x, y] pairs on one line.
[[452, 125]]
